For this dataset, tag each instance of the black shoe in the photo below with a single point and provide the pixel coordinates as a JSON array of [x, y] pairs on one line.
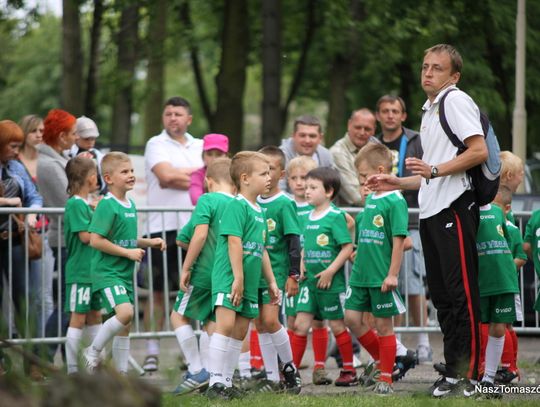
[[440, 368], [291, 378], [258, 374], [489, 391], [403, 364], [217, 391], [443, 388], [234, 393], [506, 376]]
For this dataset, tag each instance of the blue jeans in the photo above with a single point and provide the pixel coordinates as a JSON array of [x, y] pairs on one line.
[[41, 291]]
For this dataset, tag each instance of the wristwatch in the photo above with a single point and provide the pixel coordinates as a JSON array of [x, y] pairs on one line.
[[434, 172]]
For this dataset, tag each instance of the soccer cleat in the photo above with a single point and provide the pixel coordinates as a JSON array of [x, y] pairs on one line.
[[424, 354], [217, 391], [489, 391], [444, 388], [403, 364], [192, 382], [91, 359], [291, 378], [268, 386], [469, 389], [234, 392], [506, 376], [440, 368], [320, 377], [370, 376], [151, 363], [346, 378], [383, 388], [258, 373]]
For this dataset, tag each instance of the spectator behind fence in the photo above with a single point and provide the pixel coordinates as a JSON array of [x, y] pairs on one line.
[[41, 270], [214, 146], [16, 190], [58, 135], [170, 159]]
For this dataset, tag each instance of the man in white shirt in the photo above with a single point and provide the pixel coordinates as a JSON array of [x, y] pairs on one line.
[[449, 215], [170, 158]]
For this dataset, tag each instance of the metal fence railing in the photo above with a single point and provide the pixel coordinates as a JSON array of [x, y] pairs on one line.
[[27, 322]]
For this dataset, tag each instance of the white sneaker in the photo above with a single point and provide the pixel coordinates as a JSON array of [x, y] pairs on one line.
[[424, 354], [91, 359]]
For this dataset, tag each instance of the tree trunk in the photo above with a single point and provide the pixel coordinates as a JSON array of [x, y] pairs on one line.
[[271, 62], [127, 58], [155, 79], [231, 79], [337, 102], [93, 61], [72, 58]]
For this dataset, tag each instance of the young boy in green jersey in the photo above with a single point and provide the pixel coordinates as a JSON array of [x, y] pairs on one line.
[[531, 246], [113, 235], [283, 247], [194, 299], [381, 232], [498, 288], [327, 246], [240, 256], [83, 305]]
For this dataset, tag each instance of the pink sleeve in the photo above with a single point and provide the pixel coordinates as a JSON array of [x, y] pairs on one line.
[[196, 188]]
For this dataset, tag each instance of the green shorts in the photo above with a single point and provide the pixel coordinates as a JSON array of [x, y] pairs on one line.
[[290, 305], [246, 309], [196, 303], [371, 299], [264, 297], [119, 293], [80, 299], [500, 308], [323, 305]]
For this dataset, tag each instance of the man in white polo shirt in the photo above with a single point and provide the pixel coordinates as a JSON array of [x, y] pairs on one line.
[[170, 158], [449, 215]]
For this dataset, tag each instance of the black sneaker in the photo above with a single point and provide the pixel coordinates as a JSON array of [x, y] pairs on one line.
[[291, 378], [234, 393], [489, 391], [403, 364], [440, 368], [443, 388], [258, 374], [506, 376], [217, 391]]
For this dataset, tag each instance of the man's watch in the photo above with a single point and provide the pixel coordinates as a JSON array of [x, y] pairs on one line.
[[434, 172]]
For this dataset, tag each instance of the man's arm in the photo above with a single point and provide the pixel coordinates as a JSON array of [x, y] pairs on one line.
[[171, 177]]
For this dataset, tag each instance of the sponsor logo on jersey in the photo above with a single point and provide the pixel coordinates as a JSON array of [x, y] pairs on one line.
[[129, 215], [322, 240], [271, 224], [378, 221], [387, 305], [313, 227], [331, 309], [500, 230], [503, 310], [538, 232]]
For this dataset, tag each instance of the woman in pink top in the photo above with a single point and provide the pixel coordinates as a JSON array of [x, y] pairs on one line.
[[214, 146]]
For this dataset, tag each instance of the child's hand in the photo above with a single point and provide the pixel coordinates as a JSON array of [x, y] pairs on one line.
[[237, 292], [184, 280], [389, 284], [158, 243], [325, 279], [352, 257], [275, 294], [135, 254], [291, 287]]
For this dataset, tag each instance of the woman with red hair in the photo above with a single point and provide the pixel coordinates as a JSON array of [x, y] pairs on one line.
[[59, 134]]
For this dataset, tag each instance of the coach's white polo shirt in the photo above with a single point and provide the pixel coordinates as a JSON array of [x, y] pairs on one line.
[[163, 148], [463, 116]]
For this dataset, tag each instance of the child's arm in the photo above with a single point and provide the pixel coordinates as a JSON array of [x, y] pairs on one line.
[[196, 244], [527, 249], [519, 263], [391, 281], [407, 244], [294, 248], [102, 244], [236, 258], [350, 223], [181, 244], [268, 274], [325, 277], [155, 243], [84, 237]]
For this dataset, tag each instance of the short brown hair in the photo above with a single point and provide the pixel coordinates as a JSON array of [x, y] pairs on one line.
[[329, 177], [10, 132], [375, 154], [307, 120], [77, 170], [274, 151], [455, 57], [243, 163], [111, 160], [390, 99], [220, 170]]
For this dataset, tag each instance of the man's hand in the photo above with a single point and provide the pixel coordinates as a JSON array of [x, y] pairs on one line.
[[389, 284], [291, 287], [275, 294], [135, 254], [237, 292], [382, 182], [184, 280], [325, 279], [418, 167]]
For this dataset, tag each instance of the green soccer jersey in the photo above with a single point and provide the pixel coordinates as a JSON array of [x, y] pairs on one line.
[[384, 217], [208, 211], [281, 219], [515, 241], [510, 217], [117, 222], [186, 233], [324, 234], [532, 236], [496, 268], [247, 221], [77, 218]]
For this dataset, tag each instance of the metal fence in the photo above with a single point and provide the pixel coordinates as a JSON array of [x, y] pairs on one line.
[[31, 325]]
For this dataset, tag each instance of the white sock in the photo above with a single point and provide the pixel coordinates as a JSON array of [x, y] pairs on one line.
[[188, 343], [73, 343], [401, 350], [494, 350], [152, 347], [423, 340], [269, 355], [204, 343], [107, 331], [120, 353], [231, 360], [281, 342], [216, 357], [90, 331], [244, 365]]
